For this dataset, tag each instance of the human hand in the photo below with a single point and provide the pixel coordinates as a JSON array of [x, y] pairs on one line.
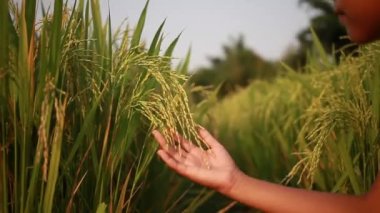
[[213, 168]]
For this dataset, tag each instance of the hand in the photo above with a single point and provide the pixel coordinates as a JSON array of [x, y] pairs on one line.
[[213, 168]]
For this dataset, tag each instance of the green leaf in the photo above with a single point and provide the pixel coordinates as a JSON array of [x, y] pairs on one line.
[[184, 69], [95, 9], [319, 47], [56, 38], [156, 39], [109, 55], [4, 35], [30, 16], [169, 51], [101, 208], [55, 158], [158, 47], [140, 26]]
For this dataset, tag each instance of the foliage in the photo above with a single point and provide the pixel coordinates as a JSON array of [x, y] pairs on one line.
[[77, 104], [318, 130], [326, 25], [235, 70]]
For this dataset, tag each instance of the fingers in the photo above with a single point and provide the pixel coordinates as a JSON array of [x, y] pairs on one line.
[[178, 155], [172, 162], [194, 173], [159, 138], [185, 144], [208, 138]]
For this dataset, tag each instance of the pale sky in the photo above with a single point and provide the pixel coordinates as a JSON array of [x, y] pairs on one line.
[[269, 26]]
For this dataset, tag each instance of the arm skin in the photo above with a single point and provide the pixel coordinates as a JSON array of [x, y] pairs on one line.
[[221, 174], [276, 198]]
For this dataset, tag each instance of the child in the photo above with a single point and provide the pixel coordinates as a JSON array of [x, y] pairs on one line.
[[362, 20]]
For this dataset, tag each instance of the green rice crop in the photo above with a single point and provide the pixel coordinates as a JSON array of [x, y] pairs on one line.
[[77, 105], [319, 129], [78, 100]]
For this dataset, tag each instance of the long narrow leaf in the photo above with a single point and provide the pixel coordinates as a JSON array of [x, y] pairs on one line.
[[169, 51], [139, 28], [156, 39]]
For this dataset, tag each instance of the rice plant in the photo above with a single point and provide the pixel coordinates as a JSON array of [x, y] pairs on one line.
[[79, 99], [77, 105], [340, 137], [317, 130]]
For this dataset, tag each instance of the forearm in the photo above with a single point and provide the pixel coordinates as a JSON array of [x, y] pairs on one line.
[[271, 197]]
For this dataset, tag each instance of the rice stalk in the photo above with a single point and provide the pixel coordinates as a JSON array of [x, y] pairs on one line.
[[77, 106]]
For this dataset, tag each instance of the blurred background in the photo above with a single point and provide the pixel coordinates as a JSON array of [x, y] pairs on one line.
[[234, 42], [207, 25], [270, 29]]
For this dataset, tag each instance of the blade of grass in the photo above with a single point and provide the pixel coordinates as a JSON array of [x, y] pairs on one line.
[[97, 24], [184, 67], [23, 75], [110, 52], [136, 37], [60, 109], [169, 51], [89, 118], [101, 208], [158, 47], [3, 164], [4, 37], [153, 45], [30, 16], [323, 56]]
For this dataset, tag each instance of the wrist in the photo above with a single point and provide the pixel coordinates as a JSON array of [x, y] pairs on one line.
[[232, 182]]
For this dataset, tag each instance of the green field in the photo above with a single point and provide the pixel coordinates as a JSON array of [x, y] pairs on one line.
[[78, 102]]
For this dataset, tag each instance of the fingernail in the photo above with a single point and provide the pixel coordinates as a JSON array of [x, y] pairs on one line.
[[154, 132], [201, 127]]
